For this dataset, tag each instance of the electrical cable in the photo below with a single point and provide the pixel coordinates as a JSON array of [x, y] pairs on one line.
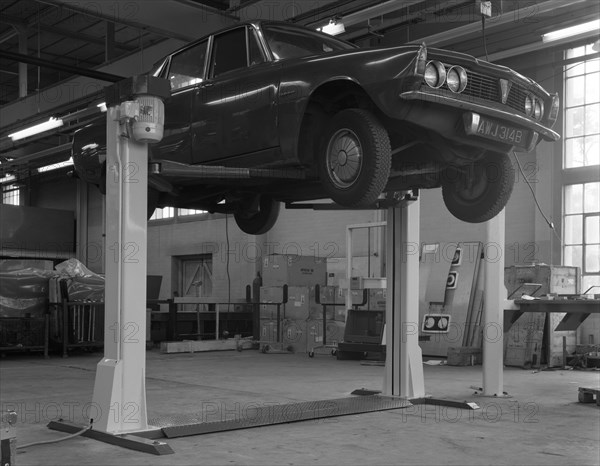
[[227, 263], [581, 63], [484, 39], [548, 221], [46, 442]]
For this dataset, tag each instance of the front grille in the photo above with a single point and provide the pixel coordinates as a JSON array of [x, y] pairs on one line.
[[516, 98], [482, 87], [487, 88]]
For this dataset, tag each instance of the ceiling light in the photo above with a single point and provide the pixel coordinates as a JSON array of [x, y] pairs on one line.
[[102, 106], [55, 166], [572, 31], [40, 128], [333, 28]]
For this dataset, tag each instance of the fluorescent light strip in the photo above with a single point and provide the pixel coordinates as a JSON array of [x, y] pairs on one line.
[[55, 166], [45, 126], [572, 31], [333, 28]]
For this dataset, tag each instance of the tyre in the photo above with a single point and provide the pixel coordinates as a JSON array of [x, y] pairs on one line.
[[261, 221], [480, 192], [354, 158]]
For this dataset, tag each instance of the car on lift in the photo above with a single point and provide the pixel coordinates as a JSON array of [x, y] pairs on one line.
[[267, 112]]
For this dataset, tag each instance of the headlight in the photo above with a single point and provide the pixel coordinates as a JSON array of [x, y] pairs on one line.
[[538, 109], [456, 79], [528, 105], [435, 74]]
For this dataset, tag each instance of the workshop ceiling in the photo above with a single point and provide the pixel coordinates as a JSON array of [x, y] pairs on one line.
[[70, 37]]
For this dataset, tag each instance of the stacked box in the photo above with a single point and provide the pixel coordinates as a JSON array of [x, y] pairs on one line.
[[271, 294], [314, 333], [268, 331], [335, 332], [377, 300], [294, 335], [464, 356], [293, 270], [301, 303]]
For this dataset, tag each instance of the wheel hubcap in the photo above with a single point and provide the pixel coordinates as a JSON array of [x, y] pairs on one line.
[[344, 158]]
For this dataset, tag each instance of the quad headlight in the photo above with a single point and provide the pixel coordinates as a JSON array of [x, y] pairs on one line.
[[534, 107], [435, 74], [528, 105], [456, 79], [538, 109]]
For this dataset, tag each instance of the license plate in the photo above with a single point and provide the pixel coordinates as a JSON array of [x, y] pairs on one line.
[[496, 131]]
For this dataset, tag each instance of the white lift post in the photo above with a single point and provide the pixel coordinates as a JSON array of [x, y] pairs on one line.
[[403, 363], [403, 375], [119, 400], [494, 304]]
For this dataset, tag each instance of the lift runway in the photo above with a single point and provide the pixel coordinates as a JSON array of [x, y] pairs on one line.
[[218, 418]]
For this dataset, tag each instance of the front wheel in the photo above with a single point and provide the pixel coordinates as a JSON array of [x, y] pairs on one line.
[[355, 158], [260, 218], [479, 192]]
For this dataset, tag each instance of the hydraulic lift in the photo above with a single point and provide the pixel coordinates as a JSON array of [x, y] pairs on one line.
[[118, 412]]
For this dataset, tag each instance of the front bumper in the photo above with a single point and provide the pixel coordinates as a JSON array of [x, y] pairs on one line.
[[486, 110]]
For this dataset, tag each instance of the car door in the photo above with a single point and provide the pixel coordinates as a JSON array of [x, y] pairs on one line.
[[234, 110], [186, 71]]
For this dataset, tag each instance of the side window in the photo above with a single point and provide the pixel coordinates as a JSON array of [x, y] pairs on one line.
[[254, 50], [229, 52], [187, 67]]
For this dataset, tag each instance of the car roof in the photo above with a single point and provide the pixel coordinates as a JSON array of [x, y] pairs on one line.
[[258, 23]]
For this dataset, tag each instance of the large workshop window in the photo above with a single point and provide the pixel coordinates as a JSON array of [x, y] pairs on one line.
[[172, 213], [11, 194], [164, 213], [188, 212], [581, 164]]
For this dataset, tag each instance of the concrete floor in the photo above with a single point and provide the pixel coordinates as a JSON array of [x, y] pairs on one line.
[[541, 424]]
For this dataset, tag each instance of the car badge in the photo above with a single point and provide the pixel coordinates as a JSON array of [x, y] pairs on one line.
[[505, 86]]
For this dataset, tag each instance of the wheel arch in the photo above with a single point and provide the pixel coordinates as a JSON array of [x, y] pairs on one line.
[[325, 101]]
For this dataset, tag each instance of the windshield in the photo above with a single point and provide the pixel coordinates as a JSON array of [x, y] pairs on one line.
[[294, 42]]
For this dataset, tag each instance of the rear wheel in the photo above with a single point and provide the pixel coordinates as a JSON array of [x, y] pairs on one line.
[[354, 158], [259, 218], [479, 192]]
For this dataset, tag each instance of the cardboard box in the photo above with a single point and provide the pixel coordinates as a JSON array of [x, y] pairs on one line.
[[271, 294], [314, 333], [294, 335], [268, 331], [301, 303], [335, 332], [553, 278], [377, 300], [293, 270], [464, 356]]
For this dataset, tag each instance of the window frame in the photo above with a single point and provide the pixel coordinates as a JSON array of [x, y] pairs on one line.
[[169, 66], [577, 175]]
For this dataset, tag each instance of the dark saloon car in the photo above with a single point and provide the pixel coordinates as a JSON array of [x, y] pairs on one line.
[[267, 112]]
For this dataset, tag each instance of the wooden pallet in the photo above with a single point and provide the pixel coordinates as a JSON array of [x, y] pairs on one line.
[[586, 395]]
